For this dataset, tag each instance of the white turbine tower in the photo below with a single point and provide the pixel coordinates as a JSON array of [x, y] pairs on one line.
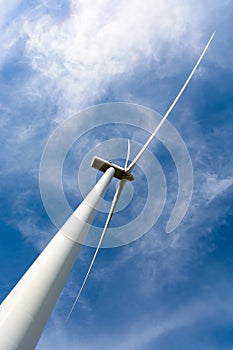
[[25, 311]]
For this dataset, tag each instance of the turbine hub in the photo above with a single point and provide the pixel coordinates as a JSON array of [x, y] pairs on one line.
[[103, 165]]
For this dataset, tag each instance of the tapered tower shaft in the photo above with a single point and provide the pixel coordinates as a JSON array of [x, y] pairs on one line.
[[25, 311]]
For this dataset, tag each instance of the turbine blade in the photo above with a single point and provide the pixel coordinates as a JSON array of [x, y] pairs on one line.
[[110, 214], [128, 154], [140, 153]]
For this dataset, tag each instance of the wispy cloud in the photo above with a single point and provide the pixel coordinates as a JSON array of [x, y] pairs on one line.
[[78, 57], [213, 186]]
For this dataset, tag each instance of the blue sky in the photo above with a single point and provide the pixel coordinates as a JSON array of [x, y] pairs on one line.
[[59, 57]]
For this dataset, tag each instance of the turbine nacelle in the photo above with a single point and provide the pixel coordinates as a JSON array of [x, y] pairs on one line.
[[103, 165]]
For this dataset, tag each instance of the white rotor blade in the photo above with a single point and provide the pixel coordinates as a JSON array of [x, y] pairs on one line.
[[113, 206], [140, 153], [128, 154]]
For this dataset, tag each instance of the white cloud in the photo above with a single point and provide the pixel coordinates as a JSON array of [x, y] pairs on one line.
[[213, 186], [95, 44]]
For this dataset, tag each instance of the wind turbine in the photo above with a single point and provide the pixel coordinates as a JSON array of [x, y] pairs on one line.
[[25, 311]]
